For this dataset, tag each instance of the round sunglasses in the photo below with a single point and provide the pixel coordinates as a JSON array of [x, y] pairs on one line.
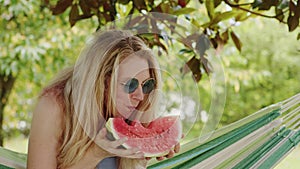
[[132, 84]]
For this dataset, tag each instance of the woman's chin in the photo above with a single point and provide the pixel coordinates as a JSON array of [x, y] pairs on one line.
[[125, 115]]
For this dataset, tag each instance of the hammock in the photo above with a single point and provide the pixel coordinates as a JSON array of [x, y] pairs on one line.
[[260, 140]]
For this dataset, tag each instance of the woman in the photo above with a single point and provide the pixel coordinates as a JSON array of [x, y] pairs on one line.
[[116, 76]]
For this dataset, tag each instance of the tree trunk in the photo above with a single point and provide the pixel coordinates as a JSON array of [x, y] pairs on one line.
[[6, 84]]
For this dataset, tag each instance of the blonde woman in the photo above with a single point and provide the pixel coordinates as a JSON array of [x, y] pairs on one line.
[[116, 75]]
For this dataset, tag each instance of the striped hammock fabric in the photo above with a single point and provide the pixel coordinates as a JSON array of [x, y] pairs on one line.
[[260, 140]]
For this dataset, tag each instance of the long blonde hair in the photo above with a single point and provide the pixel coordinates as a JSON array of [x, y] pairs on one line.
[[86, 92]]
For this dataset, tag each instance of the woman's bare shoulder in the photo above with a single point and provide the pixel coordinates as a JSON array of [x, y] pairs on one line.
[[45, 133], [48, 112], [47, 115], [49, 104]]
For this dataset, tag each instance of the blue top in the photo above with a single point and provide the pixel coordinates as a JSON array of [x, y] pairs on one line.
[[107, 163]]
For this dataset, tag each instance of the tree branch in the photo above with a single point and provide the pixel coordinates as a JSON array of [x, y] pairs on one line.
[[238, 6]]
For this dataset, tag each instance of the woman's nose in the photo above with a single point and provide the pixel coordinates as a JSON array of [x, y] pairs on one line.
[[138, 94]]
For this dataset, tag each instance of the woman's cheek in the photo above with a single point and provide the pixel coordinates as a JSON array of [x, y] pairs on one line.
[[121, 107]]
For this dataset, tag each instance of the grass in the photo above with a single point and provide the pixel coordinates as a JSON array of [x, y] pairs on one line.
[[292, 161]]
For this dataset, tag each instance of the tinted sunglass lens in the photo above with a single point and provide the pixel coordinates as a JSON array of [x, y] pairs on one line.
[[131, 85], [148, 86]]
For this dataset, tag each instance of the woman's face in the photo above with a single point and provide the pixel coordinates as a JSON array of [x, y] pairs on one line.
[[132, 68]]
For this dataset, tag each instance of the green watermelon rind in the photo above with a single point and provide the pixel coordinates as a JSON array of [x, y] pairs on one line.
[[113, 132]]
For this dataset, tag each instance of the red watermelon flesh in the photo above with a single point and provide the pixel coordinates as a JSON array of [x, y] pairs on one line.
[[157, 139]]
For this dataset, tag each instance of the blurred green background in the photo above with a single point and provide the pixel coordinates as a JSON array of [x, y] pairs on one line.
[[35, 45]]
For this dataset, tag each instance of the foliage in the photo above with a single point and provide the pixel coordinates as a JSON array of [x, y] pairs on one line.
[[31, 51], [220, 17], [264, 73]]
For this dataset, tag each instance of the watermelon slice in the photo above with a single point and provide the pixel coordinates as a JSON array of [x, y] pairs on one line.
[[157, 139]]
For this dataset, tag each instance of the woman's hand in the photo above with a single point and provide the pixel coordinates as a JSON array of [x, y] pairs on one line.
[[112, 148], [170, 154]]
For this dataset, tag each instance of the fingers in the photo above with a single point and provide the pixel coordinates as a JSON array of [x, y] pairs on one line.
[[128, 153], [101, 135], [102, 141], [160, 158], [171, 154], [177, 148], [113, 147], [118, 143]]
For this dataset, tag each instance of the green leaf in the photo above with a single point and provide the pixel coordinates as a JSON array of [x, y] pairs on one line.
[[210, 7], [242, 16], [183, 11], [236, 41], [279, 14], [224, 16], [195, 23]]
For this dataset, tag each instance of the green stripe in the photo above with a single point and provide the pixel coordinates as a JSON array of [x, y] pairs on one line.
[[261, 151], [4, 167], [281, 151], [203, 151], [16, 157], [245, 130], [237, 157]]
